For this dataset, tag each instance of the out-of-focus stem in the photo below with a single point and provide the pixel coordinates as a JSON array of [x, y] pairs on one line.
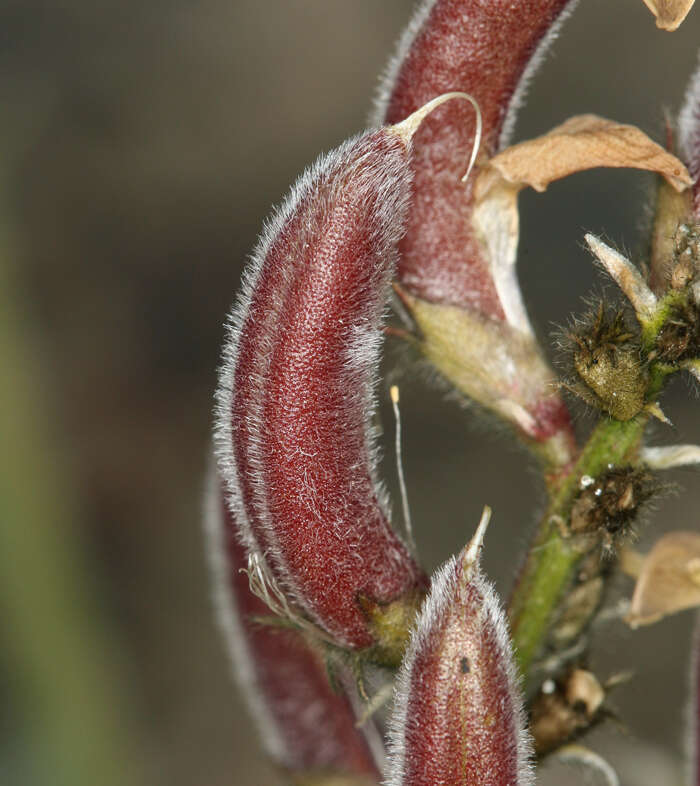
[[66, 688]]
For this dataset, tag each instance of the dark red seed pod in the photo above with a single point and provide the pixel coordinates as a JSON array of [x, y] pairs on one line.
[[486, 49], [457, 263], [458, 716], [296, 393], [304, 725]]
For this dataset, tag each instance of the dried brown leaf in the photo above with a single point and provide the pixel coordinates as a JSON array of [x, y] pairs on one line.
[[669, 580], [582, 142], [669, 13]]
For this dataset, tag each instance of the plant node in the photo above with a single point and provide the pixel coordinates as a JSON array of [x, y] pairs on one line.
[[607, 505], [686, 255], [679, 338]]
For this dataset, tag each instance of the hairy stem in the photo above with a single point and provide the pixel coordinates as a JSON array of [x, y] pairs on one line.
[[553, 557]]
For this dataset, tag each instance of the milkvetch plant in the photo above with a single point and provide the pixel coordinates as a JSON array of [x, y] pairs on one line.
[[330, 620]]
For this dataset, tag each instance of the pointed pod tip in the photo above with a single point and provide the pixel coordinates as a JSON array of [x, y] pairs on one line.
[[471, 553], [408, 127]]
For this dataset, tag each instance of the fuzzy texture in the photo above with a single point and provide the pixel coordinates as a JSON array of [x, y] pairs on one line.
[[689, 136], [458, 716], [490, 51], [296, 392], [303, 724]]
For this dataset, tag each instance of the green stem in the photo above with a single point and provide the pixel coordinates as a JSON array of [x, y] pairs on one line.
[[552, 560], [553, 557], [470, 367]]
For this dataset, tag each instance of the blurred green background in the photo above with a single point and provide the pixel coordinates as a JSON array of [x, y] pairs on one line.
[[142, 145]]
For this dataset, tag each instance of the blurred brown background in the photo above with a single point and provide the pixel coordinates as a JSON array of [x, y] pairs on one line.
[[142, 145]]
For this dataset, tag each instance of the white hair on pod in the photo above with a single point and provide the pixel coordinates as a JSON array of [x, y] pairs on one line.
[[420, 15], [538, 56], [228, 619], [443, 590], [363, 348], [242, 662], [223, 430], [391, 72], [434, 606]]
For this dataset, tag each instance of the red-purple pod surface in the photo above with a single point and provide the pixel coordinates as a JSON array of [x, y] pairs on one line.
[[304, 725], [486, 49], [296, 397], [459, 253], [458, 717]]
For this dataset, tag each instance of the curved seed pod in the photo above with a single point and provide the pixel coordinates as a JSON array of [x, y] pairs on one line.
[[304, 725], [296, 396], [458, 717], [457, 263], [488, 50]]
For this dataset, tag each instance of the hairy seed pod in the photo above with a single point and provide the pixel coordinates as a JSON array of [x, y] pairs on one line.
[[458, 717], [296, 396], [457, 263], [303, 724], [488, 50]]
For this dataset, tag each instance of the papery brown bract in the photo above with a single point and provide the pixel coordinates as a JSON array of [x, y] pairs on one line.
[[296, 394], [458, 717], [304, 725], [668, 580], [669, 13], [487, 50]]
